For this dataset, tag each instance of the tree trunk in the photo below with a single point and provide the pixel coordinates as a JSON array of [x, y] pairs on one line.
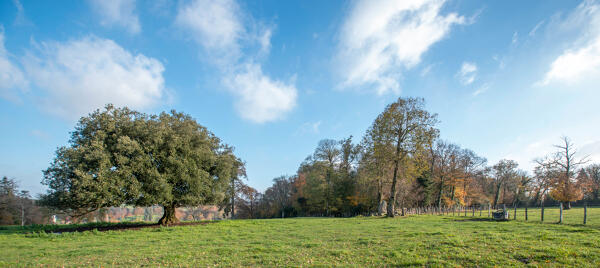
[[379, 197], [567, 204], [22, 214], [560, 220], [440, 192], [392, 199], [168, 215], [497, 197], [233, 198]]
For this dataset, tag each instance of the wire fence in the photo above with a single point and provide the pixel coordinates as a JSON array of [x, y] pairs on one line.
[[584, 215]]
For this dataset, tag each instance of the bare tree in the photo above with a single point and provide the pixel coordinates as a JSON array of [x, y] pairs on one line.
[[565, 187]]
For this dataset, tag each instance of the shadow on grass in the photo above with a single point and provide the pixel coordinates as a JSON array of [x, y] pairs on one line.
[[98, 226], [477, 219]]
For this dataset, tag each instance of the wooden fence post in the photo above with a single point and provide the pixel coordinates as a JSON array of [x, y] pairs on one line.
[[584, 213], [542, 211], [561, 213]]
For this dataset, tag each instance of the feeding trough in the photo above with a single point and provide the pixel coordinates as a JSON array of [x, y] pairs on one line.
[[501, 214]]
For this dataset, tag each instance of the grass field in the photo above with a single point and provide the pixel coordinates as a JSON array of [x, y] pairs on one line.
[[423, 240]]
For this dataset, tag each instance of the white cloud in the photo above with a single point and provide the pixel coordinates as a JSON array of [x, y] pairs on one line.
[[591, 151], [467, 73], [260, 99], [535, 29], [40, 134], [482, 89], [309, 127], [235, 44], [215, 25], [380, 40], [11, 76], [575, 64], [265, 42], [21, 19], [117, 12], [81, 75], [515, 38], [582, 59], [526, 153], [501, 61], [425, 71]]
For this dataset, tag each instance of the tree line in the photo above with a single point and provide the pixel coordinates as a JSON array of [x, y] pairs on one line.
[[17, 207], [117, 156], [402, 162]]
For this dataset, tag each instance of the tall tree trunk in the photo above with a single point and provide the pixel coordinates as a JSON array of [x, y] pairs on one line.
[[379, 197], [440, 192], [497, 196], [22, 213], [233, 198], [328, 190], [392, 199], [537, 197], [168, 215]]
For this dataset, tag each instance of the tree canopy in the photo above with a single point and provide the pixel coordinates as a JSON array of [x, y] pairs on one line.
[[117, 156]]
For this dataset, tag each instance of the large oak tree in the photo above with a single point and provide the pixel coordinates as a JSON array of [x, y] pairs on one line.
[[118, 156]]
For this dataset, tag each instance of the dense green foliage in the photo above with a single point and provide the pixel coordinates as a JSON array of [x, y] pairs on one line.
[[118, 156], [401, 163], [363, 241]]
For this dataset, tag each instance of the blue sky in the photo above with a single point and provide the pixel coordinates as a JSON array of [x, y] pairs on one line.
[[272, 78]]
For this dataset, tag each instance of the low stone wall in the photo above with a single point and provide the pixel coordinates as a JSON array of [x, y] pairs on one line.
[[148, 214]]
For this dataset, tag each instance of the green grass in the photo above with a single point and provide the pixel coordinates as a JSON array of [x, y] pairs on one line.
[[363, 241]]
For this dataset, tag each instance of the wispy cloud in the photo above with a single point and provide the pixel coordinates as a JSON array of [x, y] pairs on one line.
[[467, 73], [310, 127], [535, 28], [117, 13], [236, 44], [12, 79], [482, 89], [515, 38], [501, 60], [582, 59], [42, 135], [380, 40], [21, 19], [81, 75], [426, 70]]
